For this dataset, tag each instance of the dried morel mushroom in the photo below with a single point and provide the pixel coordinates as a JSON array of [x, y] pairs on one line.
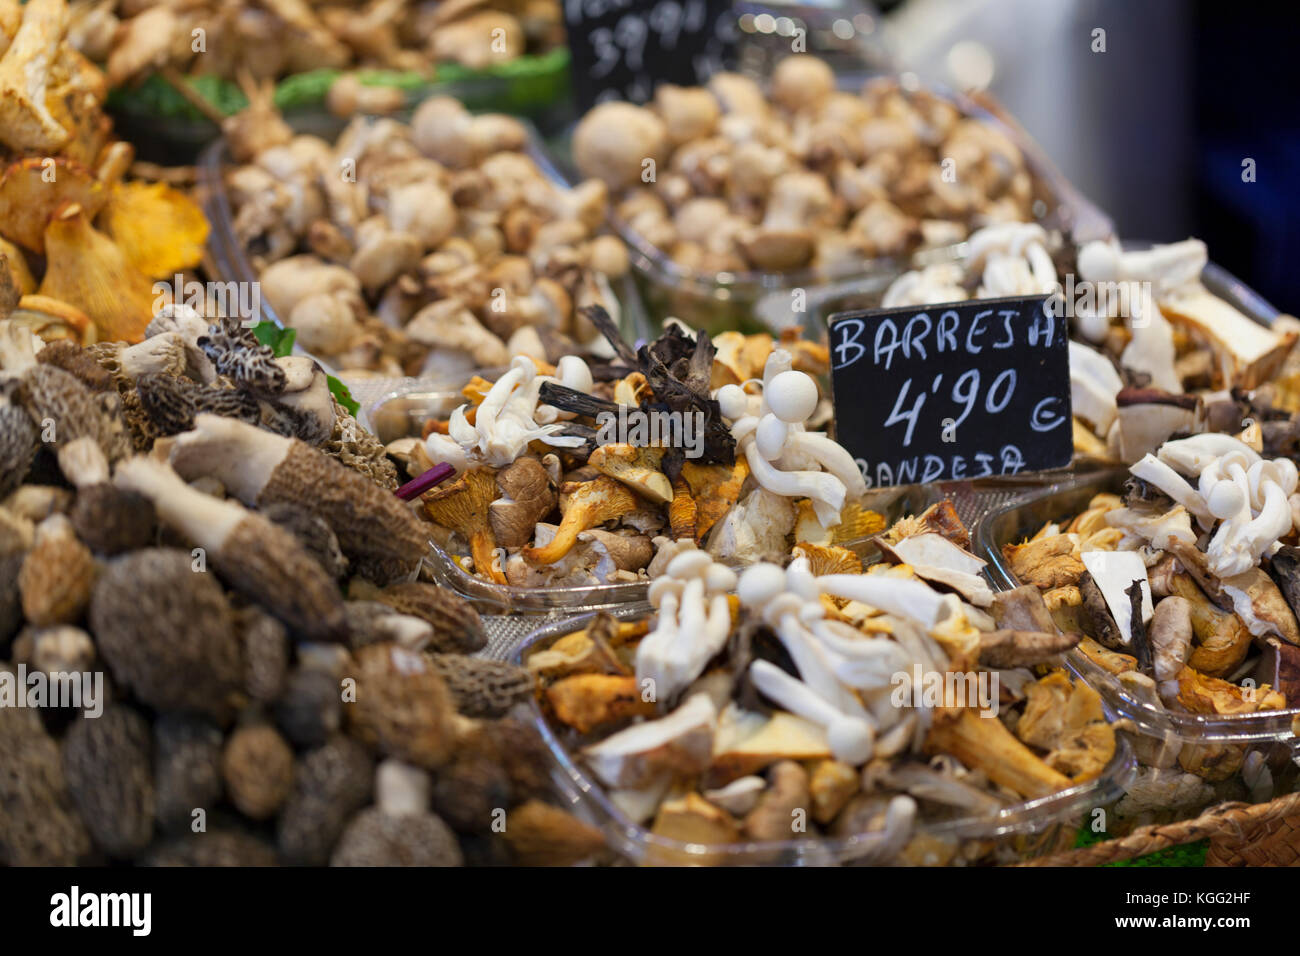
[[483, 688], [457, 627], [187, 769], [39, 826], [107, 761], [402, 705], [167, 631], [376, 838], [330, 784], [257, 767]]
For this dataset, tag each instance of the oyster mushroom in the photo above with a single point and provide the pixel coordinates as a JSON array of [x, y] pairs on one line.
[[1094, 385], [462, 506], [681, 742], [588, 504], [263, 469], [258, 558]]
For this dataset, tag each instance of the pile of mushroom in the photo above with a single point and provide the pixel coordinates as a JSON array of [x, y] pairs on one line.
[[1154, 353], [434, 249], [542, 439], [202, 548], [1185, 587], [284, 37], [82, 240], [820, 700], [728, 178]]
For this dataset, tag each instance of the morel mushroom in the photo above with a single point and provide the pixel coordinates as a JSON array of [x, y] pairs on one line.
[[257, 557]]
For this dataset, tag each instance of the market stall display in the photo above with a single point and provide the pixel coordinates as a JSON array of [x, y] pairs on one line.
[[594, 569], [814, 715], [216, 539], [580, 476], [1208, 678]]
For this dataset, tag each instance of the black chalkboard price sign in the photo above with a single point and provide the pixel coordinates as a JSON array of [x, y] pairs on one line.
[[622, 49], [952, 392]]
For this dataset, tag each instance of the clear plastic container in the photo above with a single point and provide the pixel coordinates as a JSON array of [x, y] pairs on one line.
[[1217, 745], [756, 301], [1031, 828], [404, 413]]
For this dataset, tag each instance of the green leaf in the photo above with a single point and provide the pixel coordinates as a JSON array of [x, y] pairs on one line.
[[279, 340], [340, 391]]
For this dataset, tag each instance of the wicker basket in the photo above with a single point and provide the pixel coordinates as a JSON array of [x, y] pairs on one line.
[[1240, 834]]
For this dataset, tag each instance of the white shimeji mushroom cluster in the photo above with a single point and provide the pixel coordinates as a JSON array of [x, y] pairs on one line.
[[784, 457]]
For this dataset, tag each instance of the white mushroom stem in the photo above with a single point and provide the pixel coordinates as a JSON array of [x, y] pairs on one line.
[[241, 455], [203, 519], [18, 347], [1191, 455], [693, 622], [910, 599], [865, 663], [1155, 472], [851, 738], [82, 461], [157, 354], [571, 372], [504, 425]]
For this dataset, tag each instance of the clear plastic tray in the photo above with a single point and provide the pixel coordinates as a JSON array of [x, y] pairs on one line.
[[1061, 501], [1027, 829], [403, 413], [762, 301]]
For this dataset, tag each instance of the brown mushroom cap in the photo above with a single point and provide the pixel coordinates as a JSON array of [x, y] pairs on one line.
[[107, 761], [613, 141], [167, 632], [257, 767]]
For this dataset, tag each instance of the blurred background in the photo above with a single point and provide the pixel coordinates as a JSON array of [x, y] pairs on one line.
[[1156, 124]]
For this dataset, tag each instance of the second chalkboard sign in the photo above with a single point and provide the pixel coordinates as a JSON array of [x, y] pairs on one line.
[[952, 392], [623, 49]]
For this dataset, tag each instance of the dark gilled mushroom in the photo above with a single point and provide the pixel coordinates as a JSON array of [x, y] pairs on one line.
[[1103, 626], [1140, 643]]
